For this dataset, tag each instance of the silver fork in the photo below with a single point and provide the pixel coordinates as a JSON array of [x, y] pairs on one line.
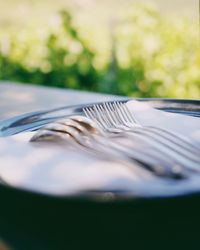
[[90, 136], [86, 134], [116, 118]]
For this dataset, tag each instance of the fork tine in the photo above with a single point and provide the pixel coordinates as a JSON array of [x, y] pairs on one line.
[[119, 113], [93, 114], [111, 114], [116, 114], [108, 114], [103, 120], [127, 116], [89, 113], [127, 110]]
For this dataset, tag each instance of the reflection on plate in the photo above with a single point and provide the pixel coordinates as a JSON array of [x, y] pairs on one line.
[[33, 121]]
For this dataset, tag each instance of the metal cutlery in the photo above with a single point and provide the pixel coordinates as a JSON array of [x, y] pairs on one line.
[[89, 135], [116, 118]]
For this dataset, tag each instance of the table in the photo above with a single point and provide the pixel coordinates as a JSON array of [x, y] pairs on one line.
[[16, 99], [30, 221]]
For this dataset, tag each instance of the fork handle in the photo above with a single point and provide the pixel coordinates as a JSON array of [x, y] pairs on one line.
[[156, 165]]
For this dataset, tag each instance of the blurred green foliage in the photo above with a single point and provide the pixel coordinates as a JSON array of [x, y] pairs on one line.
[[150, 56]]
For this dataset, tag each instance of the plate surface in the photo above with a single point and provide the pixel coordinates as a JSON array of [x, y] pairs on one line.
[[35, 221], [35, 120]]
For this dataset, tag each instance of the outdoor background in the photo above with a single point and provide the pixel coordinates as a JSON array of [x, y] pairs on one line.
[[126, 47]]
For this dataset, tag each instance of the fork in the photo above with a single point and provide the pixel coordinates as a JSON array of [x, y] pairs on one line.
[[89, 135], [116, 118], [86, 134]]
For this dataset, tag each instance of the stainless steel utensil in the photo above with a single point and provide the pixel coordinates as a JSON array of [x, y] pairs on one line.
[[88, 134], [116, 118]]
